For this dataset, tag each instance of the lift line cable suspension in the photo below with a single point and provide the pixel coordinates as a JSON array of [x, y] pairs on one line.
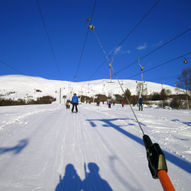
[[11, 67], [127, 36], [127, 99], [16, 70], [48, 36], [109, 62], [84, 42], [164, 63], [156, 49], [135, 27], [155, 156]]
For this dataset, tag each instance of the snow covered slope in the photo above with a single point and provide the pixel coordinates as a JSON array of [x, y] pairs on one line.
[[18, 86], [48, 148]]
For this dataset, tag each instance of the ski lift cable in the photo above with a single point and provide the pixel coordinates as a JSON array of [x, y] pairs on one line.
[[157, 66], [84, 42], [167, 42], [96, 70], [156, 49], [155, 156], [48, 36], [127, 36], [102, 48], [81, 55], [15, 70], [11, 67], [109, 62], [135, 27], [127, 99]]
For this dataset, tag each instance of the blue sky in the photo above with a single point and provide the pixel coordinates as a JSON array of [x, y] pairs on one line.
[[25, 48]]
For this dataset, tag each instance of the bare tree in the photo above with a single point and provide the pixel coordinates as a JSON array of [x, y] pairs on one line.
[[184, 82]]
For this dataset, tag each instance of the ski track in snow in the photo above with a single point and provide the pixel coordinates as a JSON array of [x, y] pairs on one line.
[[44, 146], [18, 118]]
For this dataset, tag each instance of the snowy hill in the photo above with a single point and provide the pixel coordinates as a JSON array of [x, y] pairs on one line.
[[26, 87], [48, 148]]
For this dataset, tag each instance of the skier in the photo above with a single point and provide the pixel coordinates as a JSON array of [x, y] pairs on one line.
[[75, 102], [122, 103], [109, 103], [140, 101]]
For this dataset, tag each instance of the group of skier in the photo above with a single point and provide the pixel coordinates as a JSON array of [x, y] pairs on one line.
[[75, 101]]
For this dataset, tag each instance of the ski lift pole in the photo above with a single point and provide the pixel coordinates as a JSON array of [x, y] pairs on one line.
[[141, 69], [109, 60], [110, 71], [110, 65], [157, 163]]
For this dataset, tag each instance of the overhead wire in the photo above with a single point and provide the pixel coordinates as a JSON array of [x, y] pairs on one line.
[[159, 65], [16, 70], [107, 56], [116, 76], [49, 40], [84, 43], [11, 67], [128, 101], [127, 36], [155, 156], [135, 27], [156, 49], [48, 37], [101, 46], [109, 61]]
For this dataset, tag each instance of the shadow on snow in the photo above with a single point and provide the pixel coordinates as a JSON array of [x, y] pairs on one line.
[[92, 182], [185, 123], [15, 149], [183, 164]]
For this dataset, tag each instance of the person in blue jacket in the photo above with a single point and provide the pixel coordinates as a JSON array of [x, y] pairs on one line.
[[75, 102], [140, 101]]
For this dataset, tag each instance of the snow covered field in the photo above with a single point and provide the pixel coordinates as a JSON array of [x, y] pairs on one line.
[[48, 148]]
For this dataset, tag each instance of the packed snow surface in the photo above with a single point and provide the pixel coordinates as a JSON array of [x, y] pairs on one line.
[[48, 148]]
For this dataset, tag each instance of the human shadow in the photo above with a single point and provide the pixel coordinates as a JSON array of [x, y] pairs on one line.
[[181, 163], [93, 180], [70, 181], [15, 149]]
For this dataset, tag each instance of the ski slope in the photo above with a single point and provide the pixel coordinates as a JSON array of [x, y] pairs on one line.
[[48, 148], [26, 87]]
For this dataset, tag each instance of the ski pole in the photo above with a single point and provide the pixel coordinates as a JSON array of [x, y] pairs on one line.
[[157, 163]]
